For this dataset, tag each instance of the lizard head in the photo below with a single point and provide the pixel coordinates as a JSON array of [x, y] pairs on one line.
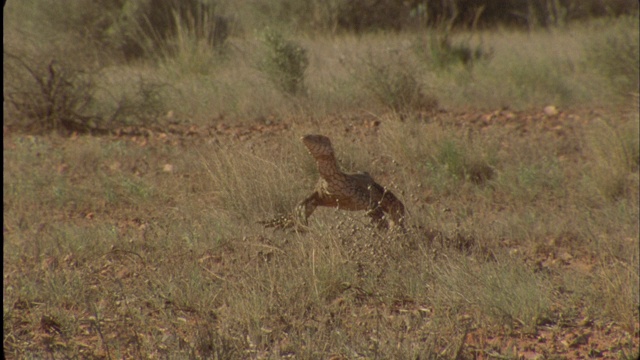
[[318, 145]]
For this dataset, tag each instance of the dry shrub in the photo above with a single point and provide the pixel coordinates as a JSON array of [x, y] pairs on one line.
[[55, 96]]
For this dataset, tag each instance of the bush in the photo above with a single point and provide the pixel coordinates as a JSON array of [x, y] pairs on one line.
[[285, 63], [55, 96], [393, 84], [616, 53]]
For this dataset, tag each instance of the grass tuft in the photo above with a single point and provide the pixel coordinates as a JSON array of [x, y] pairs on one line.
[[615, 158], [252, 197]]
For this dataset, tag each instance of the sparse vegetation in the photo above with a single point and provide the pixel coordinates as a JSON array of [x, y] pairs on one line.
[[61, 97], [142, 241]]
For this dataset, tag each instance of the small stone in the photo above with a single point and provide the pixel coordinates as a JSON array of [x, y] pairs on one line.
[[550, 110]]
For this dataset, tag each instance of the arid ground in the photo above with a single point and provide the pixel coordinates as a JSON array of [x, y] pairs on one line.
[[133, 191]]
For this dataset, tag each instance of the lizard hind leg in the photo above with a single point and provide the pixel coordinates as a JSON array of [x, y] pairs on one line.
[[377, 218], [393, 208]]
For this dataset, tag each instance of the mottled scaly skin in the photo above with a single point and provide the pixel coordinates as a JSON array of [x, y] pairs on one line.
[[351, 192]]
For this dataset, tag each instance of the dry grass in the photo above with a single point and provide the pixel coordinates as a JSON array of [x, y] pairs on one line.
[[128, 246], [522, 229]]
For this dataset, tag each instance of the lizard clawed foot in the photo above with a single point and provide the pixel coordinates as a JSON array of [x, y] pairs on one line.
[[285, 222]]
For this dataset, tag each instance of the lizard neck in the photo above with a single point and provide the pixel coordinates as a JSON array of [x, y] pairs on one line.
[[328, 167]]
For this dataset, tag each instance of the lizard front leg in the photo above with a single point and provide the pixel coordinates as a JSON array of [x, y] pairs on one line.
[[377, 218], [306, 207], [298, 217], [394, 208]]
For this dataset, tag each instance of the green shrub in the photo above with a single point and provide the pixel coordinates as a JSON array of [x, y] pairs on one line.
[[285, 63], [461, 163]]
